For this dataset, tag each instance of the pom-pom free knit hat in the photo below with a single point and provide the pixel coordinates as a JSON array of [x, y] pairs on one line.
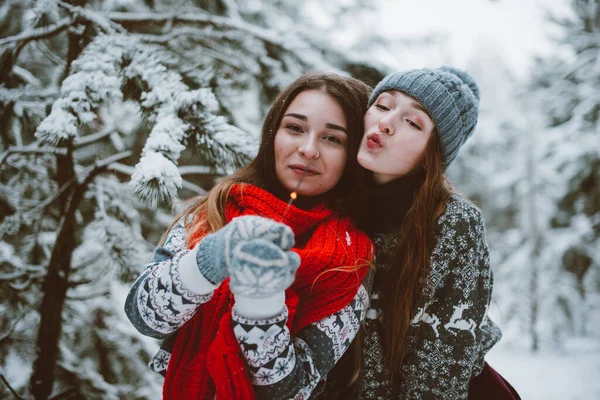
[[450, 96]]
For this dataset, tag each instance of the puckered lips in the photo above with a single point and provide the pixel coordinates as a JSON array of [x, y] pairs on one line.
[[374, 141], [301, 169]]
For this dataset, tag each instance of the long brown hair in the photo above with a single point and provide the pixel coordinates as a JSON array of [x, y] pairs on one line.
[[351, 94], [411, 266], [416, 240]]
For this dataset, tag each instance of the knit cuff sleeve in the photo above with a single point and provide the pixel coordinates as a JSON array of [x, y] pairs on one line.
[[209, 253], [191, 276], [259, 309]]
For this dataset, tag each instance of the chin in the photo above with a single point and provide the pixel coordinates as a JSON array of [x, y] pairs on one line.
[[366, 162], [309, 193], [289, 188]]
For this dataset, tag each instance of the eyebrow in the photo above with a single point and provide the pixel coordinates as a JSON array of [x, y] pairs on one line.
[[414, 104], [418, 106], [327, 125]]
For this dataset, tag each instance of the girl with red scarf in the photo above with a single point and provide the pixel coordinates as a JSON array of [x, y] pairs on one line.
[[255, 297]]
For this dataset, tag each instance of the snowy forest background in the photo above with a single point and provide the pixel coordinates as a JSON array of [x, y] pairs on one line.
[[112, 111]]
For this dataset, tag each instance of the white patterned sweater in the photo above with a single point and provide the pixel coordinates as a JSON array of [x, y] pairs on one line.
[[450, 334], [280, 366]]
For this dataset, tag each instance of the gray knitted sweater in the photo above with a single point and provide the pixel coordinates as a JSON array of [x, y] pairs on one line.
[[451, 332]]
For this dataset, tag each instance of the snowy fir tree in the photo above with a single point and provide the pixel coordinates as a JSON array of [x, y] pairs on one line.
[[110, 112], [533, 168], [491, 171], [567, 176]]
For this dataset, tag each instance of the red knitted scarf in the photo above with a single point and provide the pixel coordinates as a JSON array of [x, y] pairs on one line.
[[206, 357]]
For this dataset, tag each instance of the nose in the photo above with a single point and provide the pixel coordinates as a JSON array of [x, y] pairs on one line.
[[386, 127], [308, 148]]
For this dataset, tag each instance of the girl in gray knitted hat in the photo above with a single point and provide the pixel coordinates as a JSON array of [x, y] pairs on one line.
[[427, 329]]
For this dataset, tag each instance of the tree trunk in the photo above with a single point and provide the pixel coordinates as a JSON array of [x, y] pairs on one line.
[[54, 287], [104, 361], [535, 248], [56, 282]]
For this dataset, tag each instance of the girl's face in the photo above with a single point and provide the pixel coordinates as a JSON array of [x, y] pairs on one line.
[[311, 141], [397, 129]]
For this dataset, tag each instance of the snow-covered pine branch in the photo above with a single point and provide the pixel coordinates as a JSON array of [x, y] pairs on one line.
[[110, 248], [181, 116], [300, 53], [39, 33], [98, 19], [95, 81], [177, 112], [232, 48]]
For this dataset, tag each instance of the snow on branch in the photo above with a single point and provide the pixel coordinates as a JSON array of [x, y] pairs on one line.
[[98, 19], [43, 32], [29, 150], [198, 108], [245, 56], [200, 170], [95, 81], [156, 178], [127, 170], [290, 44], [226, 143], [216, 21], [178, 114], [109, 246], [26, 94]]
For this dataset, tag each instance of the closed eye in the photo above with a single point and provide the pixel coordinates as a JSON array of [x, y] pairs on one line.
[[414, 125], [382, 107]]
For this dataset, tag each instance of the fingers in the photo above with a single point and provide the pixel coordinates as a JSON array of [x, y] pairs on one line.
[[282, 235], [293, 260], [259, 268], [260, 253], [254, 227]]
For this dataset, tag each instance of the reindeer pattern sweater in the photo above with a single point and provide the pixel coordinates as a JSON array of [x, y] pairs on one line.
[[450, 333], [280, 366]]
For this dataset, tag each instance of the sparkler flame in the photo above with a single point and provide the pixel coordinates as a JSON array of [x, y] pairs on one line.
[[294, 194]]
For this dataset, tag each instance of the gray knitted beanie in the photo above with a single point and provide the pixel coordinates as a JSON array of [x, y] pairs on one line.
[[450, 96]]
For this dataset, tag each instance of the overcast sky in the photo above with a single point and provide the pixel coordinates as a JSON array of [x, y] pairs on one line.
[[517, 29]]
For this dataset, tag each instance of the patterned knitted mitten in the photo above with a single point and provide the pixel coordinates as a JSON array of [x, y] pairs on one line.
[[260, 269], [214, 251]]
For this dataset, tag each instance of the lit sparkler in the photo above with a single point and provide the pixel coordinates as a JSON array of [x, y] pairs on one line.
[[294, 194]]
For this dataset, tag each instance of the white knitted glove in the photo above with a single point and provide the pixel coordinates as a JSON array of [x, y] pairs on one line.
[[214, 252]]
